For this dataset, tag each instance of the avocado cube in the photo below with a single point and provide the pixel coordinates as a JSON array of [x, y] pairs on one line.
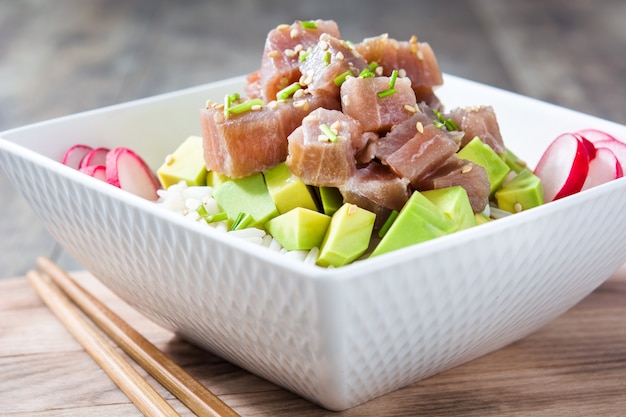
[[513, 161], [287, 190], [454, 202], [299, 229], [482, 154], [186, 163], [348, 236], [331, 199], [523, 192], [481, 218], [247, 195], [418, 221], [214, 179]]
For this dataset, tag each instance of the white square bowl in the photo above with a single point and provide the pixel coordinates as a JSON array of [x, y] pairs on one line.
[[335, 336]]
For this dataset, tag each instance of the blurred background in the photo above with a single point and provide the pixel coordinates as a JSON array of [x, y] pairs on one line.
[[67, 56]]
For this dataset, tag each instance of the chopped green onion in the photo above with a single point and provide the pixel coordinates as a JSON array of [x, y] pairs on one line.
[[245, 106], [387, 225], [229, 99], [328, 133], [288, 91], [386, 93], [392, 80], [303, 55], [373, 65], [309, 24], [202, 210], [210, 218], [441, 121], [241, 221], [327, 58], [342, 77], [366, 73]]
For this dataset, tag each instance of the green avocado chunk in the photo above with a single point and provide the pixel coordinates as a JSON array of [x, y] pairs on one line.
[[299, 229], [454, 202], [418, 221], [287, 190], [247, 195], [331, 199], [214, 179], [348, 236], [523, 192], [514, 162], [186, 163], [482, 154]]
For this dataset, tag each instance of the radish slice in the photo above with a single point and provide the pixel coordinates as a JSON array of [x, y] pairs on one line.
[[595, 135], [96, 156], [563, 167], [96, 171], [618, 148], [126, 170], [589, 146], [74, 155], [604, 168]]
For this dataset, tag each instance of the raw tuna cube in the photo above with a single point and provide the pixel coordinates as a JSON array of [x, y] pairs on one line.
[[364, 99], [479, 121], [400, 135], [323, 159], [422, 154], [376, 185], [283, 45], [326, 61]]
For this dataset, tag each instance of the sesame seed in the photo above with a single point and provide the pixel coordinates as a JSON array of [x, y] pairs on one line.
[[323, 45], [420, 54], [401, 73], [294, 33], [298, 94], [209, 103], [256, 107], [272, 104], [323, 138], [298, 47], [409, 108], [282, 27], [466, 168], [420, 127], [335, 126], [290, 53], [169, 159], [379, 70], [518, 207], [352, 209], [273, 54], [413, 39], [339, 56]]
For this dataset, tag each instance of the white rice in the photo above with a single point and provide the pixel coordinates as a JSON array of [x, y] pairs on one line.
[[185, 200]]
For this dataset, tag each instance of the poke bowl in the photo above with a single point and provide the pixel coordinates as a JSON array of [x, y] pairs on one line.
[[336, 336]]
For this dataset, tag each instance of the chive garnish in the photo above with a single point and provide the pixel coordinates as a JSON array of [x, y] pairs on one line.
[[327, 58], [309, 24], [245, 106], [288, 91], [387, 225], [303, 55], [373, 65], [386, 93], [342, 77], [392, 80], [328, 133], [241, 221], [210, 218], [366, 73], [441, 121]]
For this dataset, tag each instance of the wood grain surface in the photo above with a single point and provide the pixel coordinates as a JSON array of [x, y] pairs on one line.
[[576, 365], [67, 56]]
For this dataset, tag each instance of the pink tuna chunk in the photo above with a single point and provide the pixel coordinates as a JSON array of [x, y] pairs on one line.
[[360, 99], [479, 121]]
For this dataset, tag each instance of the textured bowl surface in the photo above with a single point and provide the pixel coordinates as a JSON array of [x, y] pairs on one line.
[[335, 336]]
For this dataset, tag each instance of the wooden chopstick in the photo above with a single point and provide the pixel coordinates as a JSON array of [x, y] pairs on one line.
[[147, 400], [187, 389]]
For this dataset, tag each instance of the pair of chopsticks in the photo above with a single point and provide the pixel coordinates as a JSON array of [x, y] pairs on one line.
[[60, 290]]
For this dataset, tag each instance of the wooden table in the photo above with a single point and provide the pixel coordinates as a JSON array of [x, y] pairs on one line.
[[575, 365]]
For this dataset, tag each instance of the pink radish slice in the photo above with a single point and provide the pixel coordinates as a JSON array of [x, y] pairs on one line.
[[563, 167], [96, 171], [604, 168], [595, 135], [126, 170], [96, 156], [74, 155], [589, 146], [618, 148]]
